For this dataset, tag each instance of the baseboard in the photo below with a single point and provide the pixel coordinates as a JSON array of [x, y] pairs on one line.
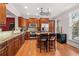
[[73, 43]]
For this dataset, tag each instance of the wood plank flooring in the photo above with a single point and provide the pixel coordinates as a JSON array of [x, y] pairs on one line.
[[29, 48]]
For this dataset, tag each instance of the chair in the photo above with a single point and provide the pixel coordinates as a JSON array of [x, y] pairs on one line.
[[51, 35], [43, 42], [51, 42]]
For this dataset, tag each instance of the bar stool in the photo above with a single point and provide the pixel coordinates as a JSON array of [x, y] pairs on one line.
[[43, 42], [51, 42]]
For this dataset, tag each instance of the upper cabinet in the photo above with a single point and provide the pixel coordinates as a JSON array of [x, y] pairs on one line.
[[52, 25], [2, 13], [33, 24], [21, 22], [33, 20], [44, 20]]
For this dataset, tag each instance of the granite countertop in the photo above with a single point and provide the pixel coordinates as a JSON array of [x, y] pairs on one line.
[[6, 38]]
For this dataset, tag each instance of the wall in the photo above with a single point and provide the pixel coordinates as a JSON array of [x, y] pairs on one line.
[[64, 18]]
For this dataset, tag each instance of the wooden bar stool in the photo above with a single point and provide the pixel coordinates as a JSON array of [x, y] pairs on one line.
[[51, 43], [43, 42]]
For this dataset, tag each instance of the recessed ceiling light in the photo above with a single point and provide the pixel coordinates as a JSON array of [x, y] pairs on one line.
[[28, 13], [25, 7], [38, 8]]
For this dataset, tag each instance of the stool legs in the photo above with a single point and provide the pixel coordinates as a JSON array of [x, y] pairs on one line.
[[43, 46], [51, 44], [47, 46]]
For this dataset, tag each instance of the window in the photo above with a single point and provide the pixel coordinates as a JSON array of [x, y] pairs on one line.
[[75, 25]]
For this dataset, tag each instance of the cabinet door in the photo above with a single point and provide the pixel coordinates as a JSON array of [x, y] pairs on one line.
[[3, 49], [2, 13], [20, 40], [21, 21], [11, 47], [44, 20], [52, 25], [27, 35], [16, 44]]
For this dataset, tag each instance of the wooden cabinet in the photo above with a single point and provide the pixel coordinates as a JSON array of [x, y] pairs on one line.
[[11, 47], [40, 21], [43, 20], [27, 35], [27, 23], [2, 13], [20, 40], [33, 20], [3, 49], [52, 25], [14, 45], [21, 22]]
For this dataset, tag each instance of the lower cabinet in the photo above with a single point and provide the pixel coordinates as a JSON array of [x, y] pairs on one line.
[[16, 44], [27, 35], [11, 47], [3, 49], [20, 41]]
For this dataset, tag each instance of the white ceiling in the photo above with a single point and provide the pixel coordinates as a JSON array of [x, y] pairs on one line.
[[56, 8], [10, 14]]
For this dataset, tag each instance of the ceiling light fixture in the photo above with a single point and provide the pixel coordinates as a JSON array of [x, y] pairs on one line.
[[45, 11], [25, 7], [38, 8]]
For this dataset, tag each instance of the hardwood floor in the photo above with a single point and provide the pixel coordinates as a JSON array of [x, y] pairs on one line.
[[29, 49]]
